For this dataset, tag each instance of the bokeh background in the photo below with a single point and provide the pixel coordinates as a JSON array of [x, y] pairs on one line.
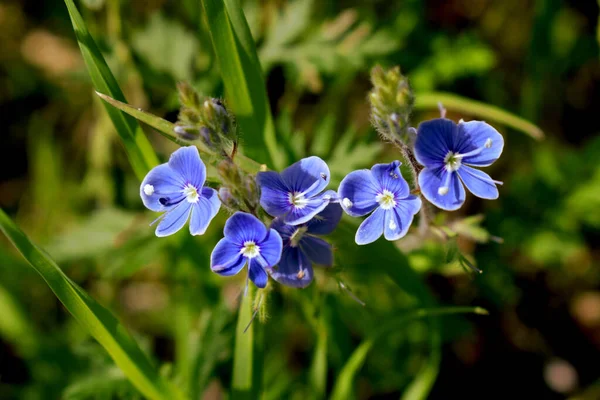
[[65, 179]]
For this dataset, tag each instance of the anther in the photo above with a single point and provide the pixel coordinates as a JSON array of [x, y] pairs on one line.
[[346, 202], [443, 190], [148, 190]]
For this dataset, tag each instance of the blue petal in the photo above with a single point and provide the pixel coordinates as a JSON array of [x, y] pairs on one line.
[[478, 182], [390, 178], [186, 161], [284, 230], [325, 222], [294, 269], [474, 135], [243, 227], [317, 250], [274, 195], [399, 218], [297, 215], [174, 219], [435, 139], [226, 258], [257, 274], [371, 228], [204, 210], [309, 176], [270, 248], [430, 180], [357, 193], [163, 183]]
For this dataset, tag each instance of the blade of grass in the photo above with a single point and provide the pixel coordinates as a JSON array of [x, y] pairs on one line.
[[97, 320], [343, 388], [420, 387], [453, 102], [242, 384], [318, 369], [138, 148], [242, 76]]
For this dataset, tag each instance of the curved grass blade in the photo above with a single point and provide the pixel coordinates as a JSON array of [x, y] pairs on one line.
[[242, 76], [97, 320], [138, 148], [167, 129], [343, 388], [476, 108]]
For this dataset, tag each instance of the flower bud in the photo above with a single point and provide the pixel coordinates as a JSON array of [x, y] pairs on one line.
[[228, 199], [229, 173]]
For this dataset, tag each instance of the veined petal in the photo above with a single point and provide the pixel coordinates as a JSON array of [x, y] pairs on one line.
[[204, 210], [270, 248], [257, 274], [357, 193], [186, 161], [435, 138], [301, 215], [478, 182], [399, 218], [371, 228], [174, 219], [432, 179], [325, 222], [478, 134], [284, 230], [161, 182], [294, 269], [242, 227], [226, 258], [274, 195], [317, 250], [309, 176], [390, 178]]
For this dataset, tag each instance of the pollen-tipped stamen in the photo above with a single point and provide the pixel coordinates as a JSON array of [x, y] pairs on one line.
[[445, 188], [486, 145]]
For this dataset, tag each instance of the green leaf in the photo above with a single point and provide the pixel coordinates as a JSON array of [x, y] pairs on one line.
[[453, 102], [318, 369], [420, 387], [97, 320], [138, 148], [242, 76]]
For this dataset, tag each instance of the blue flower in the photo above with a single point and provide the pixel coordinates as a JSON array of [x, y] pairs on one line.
[[176, 188], [448, 152], [301, 247], [295, 194], [384, 191], [246, 240]]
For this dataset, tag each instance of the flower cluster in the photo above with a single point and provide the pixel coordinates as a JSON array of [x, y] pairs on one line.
[[279, 218]]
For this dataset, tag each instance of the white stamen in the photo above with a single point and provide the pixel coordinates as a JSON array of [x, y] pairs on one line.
[[191, 193], [148, 190], [297, 200], [386, 199], [488, 143], [250, 249], [443, 190], [393, 225], [346, 202]]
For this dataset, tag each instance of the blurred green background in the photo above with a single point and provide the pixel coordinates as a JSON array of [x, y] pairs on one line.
[[65, 179]]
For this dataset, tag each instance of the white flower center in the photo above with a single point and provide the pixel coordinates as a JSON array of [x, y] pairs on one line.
[[148, 190], [191, 193], [297, 200], [250, 249], [386, 200], [452, 161]]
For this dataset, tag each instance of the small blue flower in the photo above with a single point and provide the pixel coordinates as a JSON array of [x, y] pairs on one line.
[[176, 188], [448, 152], [384, 190], [246, 240], [301, 247], [295, 194]]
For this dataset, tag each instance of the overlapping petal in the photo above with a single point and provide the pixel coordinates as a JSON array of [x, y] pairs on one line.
[[390, 178], [309, 176], [294, 269], [257, 274], [174, 219], [162, 181], [371, 228], [226, 258], [478, 182], [301, 215], [325, 222], [270, 248], [357, 193], [317, 250], [435, 138], [186, 161], [274, 195], [243, 227], [431, 179], [204, 211], [474, 135]]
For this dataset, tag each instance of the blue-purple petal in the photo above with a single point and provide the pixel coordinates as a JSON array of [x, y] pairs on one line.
[[284, 230], [186, 161], [297, 215], [390, 178], [163, 182], [274, 195], [204, 210], [474, 135], [431, 179], [435, 138], [478, 182], [398, 219], [325, 222], [309, 176], [371, 228], [226, 258], [294, 269], [270, 248], [317, 250], [257, 274], [174, 219], [243, 227], [357, 193]]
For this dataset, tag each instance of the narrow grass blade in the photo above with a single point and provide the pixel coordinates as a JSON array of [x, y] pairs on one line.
[[242, 76], [242, 385], [344, 386], [138, 148], [420, 387], [97, 320], [478, 109], [318, 369]]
